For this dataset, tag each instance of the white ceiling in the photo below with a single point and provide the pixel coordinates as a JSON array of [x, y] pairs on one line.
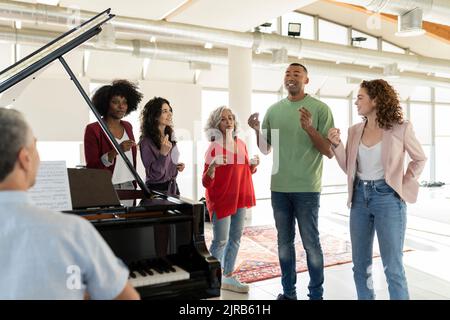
[[152, 9], [230, 15], [236, 15]]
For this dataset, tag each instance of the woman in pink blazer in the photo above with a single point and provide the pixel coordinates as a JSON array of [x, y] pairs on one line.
[[378, 185]]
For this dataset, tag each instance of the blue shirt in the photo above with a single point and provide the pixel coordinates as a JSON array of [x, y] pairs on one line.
[[51, 255]]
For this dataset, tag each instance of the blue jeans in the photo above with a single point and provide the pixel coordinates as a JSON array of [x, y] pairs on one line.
[[377, 207], [303, 207], [227, 234]]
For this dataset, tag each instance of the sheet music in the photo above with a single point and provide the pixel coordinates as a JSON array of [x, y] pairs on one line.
[[51, 189]]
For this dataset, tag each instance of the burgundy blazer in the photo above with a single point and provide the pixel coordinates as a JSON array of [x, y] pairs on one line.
[[395, 142], [96, 144]]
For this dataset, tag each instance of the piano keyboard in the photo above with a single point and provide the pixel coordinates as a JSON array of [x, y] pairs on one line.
[[142, 275]]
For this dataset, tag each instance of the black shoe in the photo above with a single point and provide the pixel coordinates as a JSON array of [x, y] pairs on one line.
[[283, 297]]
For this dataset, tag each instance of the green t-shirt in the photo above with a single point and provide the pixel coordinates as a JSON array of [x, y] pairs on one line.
[[297, 164]]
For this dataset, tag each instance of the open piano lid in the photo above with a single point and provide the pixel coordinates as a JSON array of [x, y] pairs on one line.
[[39, 59], [52, 50]]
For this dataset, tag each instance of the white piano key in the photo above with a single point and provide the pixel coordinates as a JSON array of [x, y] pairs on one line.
[[157, 278]]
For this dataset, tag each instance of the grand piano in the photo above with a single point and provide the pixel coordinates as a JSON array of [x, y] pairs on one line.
[[161, 238]]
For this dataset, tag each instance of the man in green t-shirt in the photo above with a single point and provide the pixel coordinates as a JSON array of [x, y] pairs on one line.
[[296, 128]]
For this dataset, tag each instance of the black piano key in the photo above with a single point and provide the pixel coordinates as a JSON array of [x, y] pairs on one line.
[[131, 267], [163, 266], [155, 267], [150, 272], [144, 267], [168, 265], [158, 269], [141, 272]]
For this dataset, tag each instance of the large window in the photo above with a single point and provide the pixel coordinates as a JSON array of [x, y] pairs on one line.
[[332, 173], [332, 32], [421, 120], [261, 181], [442, 95], [442, 143], [386, 46], [443, 159], [426, 173], [420, 93]]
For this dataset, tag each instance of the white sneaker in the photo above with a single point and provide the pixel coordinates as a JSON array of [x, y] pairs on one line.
[[233, 284]]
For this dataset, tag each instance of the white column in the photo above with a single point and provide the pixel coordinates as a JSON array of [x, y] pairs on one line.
[[240, 93], [240, 86]]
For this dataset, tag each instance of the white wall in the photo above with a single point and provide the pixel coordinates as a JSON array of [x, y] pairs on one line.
[[54, 108]]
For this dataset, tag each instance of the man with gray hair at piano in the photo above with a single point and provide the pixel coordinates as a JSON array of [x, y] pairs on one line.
[[46, 254]]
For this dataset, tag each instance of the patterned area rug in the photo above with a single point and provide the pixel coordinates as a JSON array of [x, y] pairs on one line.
[[258, 254]]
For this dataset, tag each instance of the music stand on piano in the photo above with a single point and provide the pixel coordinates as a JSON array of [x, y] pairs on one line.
[[183, 268]]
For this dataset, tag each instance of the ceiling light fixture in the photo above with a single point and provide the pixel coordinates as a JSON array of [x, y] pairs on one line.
[[294, 29], [356, 41]]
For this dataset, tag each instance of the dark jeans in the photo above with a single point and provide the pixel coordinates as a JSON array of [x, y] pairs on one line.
[[303, 207]]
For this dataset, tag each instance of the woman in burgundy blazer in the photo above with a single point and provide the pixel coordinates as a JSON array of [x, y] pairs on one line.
[[113, 102]]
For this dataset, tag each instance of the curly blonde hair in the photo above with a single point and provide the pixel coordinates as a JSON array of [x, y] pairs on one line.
[[389, 111]]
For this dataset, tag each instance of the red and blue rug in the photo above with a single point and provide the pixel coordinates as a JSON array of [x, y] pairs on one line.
[[258, 254]]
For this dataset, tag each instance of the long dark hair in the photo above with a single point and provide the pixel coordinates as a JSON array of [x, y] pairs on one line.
[[149, 122], [121, 88]]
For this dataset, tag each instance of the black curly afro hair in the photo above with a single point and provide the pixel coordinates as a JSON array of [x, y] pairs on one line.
[[121, 88]]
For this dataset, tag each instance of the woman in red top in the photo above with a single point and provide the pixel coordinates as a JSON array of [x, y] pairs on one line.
[[229, 191]]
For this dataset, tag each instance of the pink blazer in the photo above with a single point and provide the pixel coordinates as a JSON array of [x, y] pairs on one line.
[[395, 142]]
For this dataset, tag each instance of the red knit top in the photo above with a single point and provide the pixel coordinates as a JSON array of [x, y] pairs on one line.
[[232, 186]]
